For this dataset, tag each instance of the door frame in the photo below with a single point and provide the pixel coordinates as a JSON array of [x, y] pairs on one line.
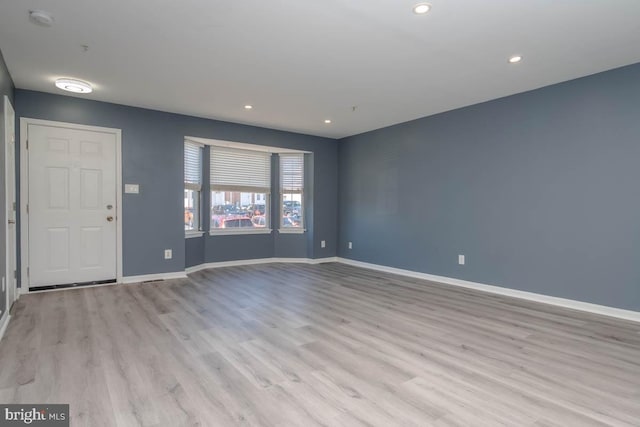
[[24, 191], [9, 269]]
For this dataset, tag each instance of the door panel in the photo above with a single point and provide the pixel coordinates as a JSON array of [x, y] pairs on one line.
[[57, 249], [90, 189], [91, 241], [72, 192], [58, 194]]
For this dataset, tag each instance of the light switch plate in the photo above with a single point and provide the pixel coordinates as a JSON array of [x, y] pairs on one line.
[[132, 188]]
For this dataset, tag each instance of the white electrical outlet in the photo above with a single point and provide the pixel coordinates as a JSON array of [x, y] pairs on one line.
[[168, 254], [350, 245], [323, 244], [461, 259]]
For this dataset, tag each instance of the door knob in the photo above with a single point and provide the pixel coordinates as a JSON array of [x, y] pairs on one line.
[[11, 221], [109, 218]]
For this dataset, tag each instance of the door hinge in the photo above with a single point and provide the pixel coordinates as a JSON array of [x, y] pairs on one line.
[[14, 206], [27, 144], [27, 207], [27, 271], [15, 274]]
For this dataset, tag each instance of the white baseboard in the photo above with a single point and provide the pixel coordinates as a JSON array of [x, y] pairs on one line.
[[604, 310], [199, 267], [158, 276], [4, 322], [324, 260]]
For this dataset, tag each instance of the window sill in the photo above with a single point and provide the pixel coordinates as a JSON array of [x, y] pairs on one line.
[[231, 231], [292, 230], [193, 234]]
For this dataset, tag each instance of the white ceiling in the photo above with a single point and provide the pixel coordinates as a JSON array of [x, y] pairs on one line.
[[300, 62]]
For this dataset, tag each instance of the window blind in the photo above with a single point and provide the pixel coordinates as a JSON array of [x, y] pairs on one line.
[[292, 172], [240, 170], [192, 166]]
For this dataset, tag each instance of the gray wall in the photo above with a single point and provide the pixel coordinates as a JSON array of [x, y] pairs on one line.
[[152, 152], [6, 88], [540, 191]]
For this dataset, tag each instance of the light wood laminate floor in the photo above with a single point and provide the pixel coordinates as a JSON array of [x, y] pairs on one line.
[[317, 345]]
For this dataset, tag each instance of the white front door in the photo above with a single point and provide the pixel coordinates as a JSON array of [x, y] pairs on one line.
[[72, 206], [10, 180]]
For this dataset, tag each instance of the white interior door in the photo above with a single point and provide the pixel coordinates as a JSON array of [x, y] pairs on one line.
[[72, 206], [10, 179]]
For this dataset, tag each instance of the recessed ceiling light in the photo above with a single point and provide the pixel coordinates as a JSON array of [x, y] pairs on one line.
[[421, 8], [75, 86], [515, 59], [248, 107], [40, 17], [327, 121]]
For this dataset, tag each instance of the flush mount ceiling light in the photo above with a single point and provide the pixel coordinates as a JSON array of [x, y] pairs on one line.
[[73, 85], [40, 17], [248, 107], [515, 59], [421, 8], [327, 121]]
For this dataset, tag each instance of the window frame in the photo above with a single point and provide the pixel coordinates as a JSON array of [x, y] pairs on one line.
[[241, 188], [195, 187], [301, 228], [274, 213]]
